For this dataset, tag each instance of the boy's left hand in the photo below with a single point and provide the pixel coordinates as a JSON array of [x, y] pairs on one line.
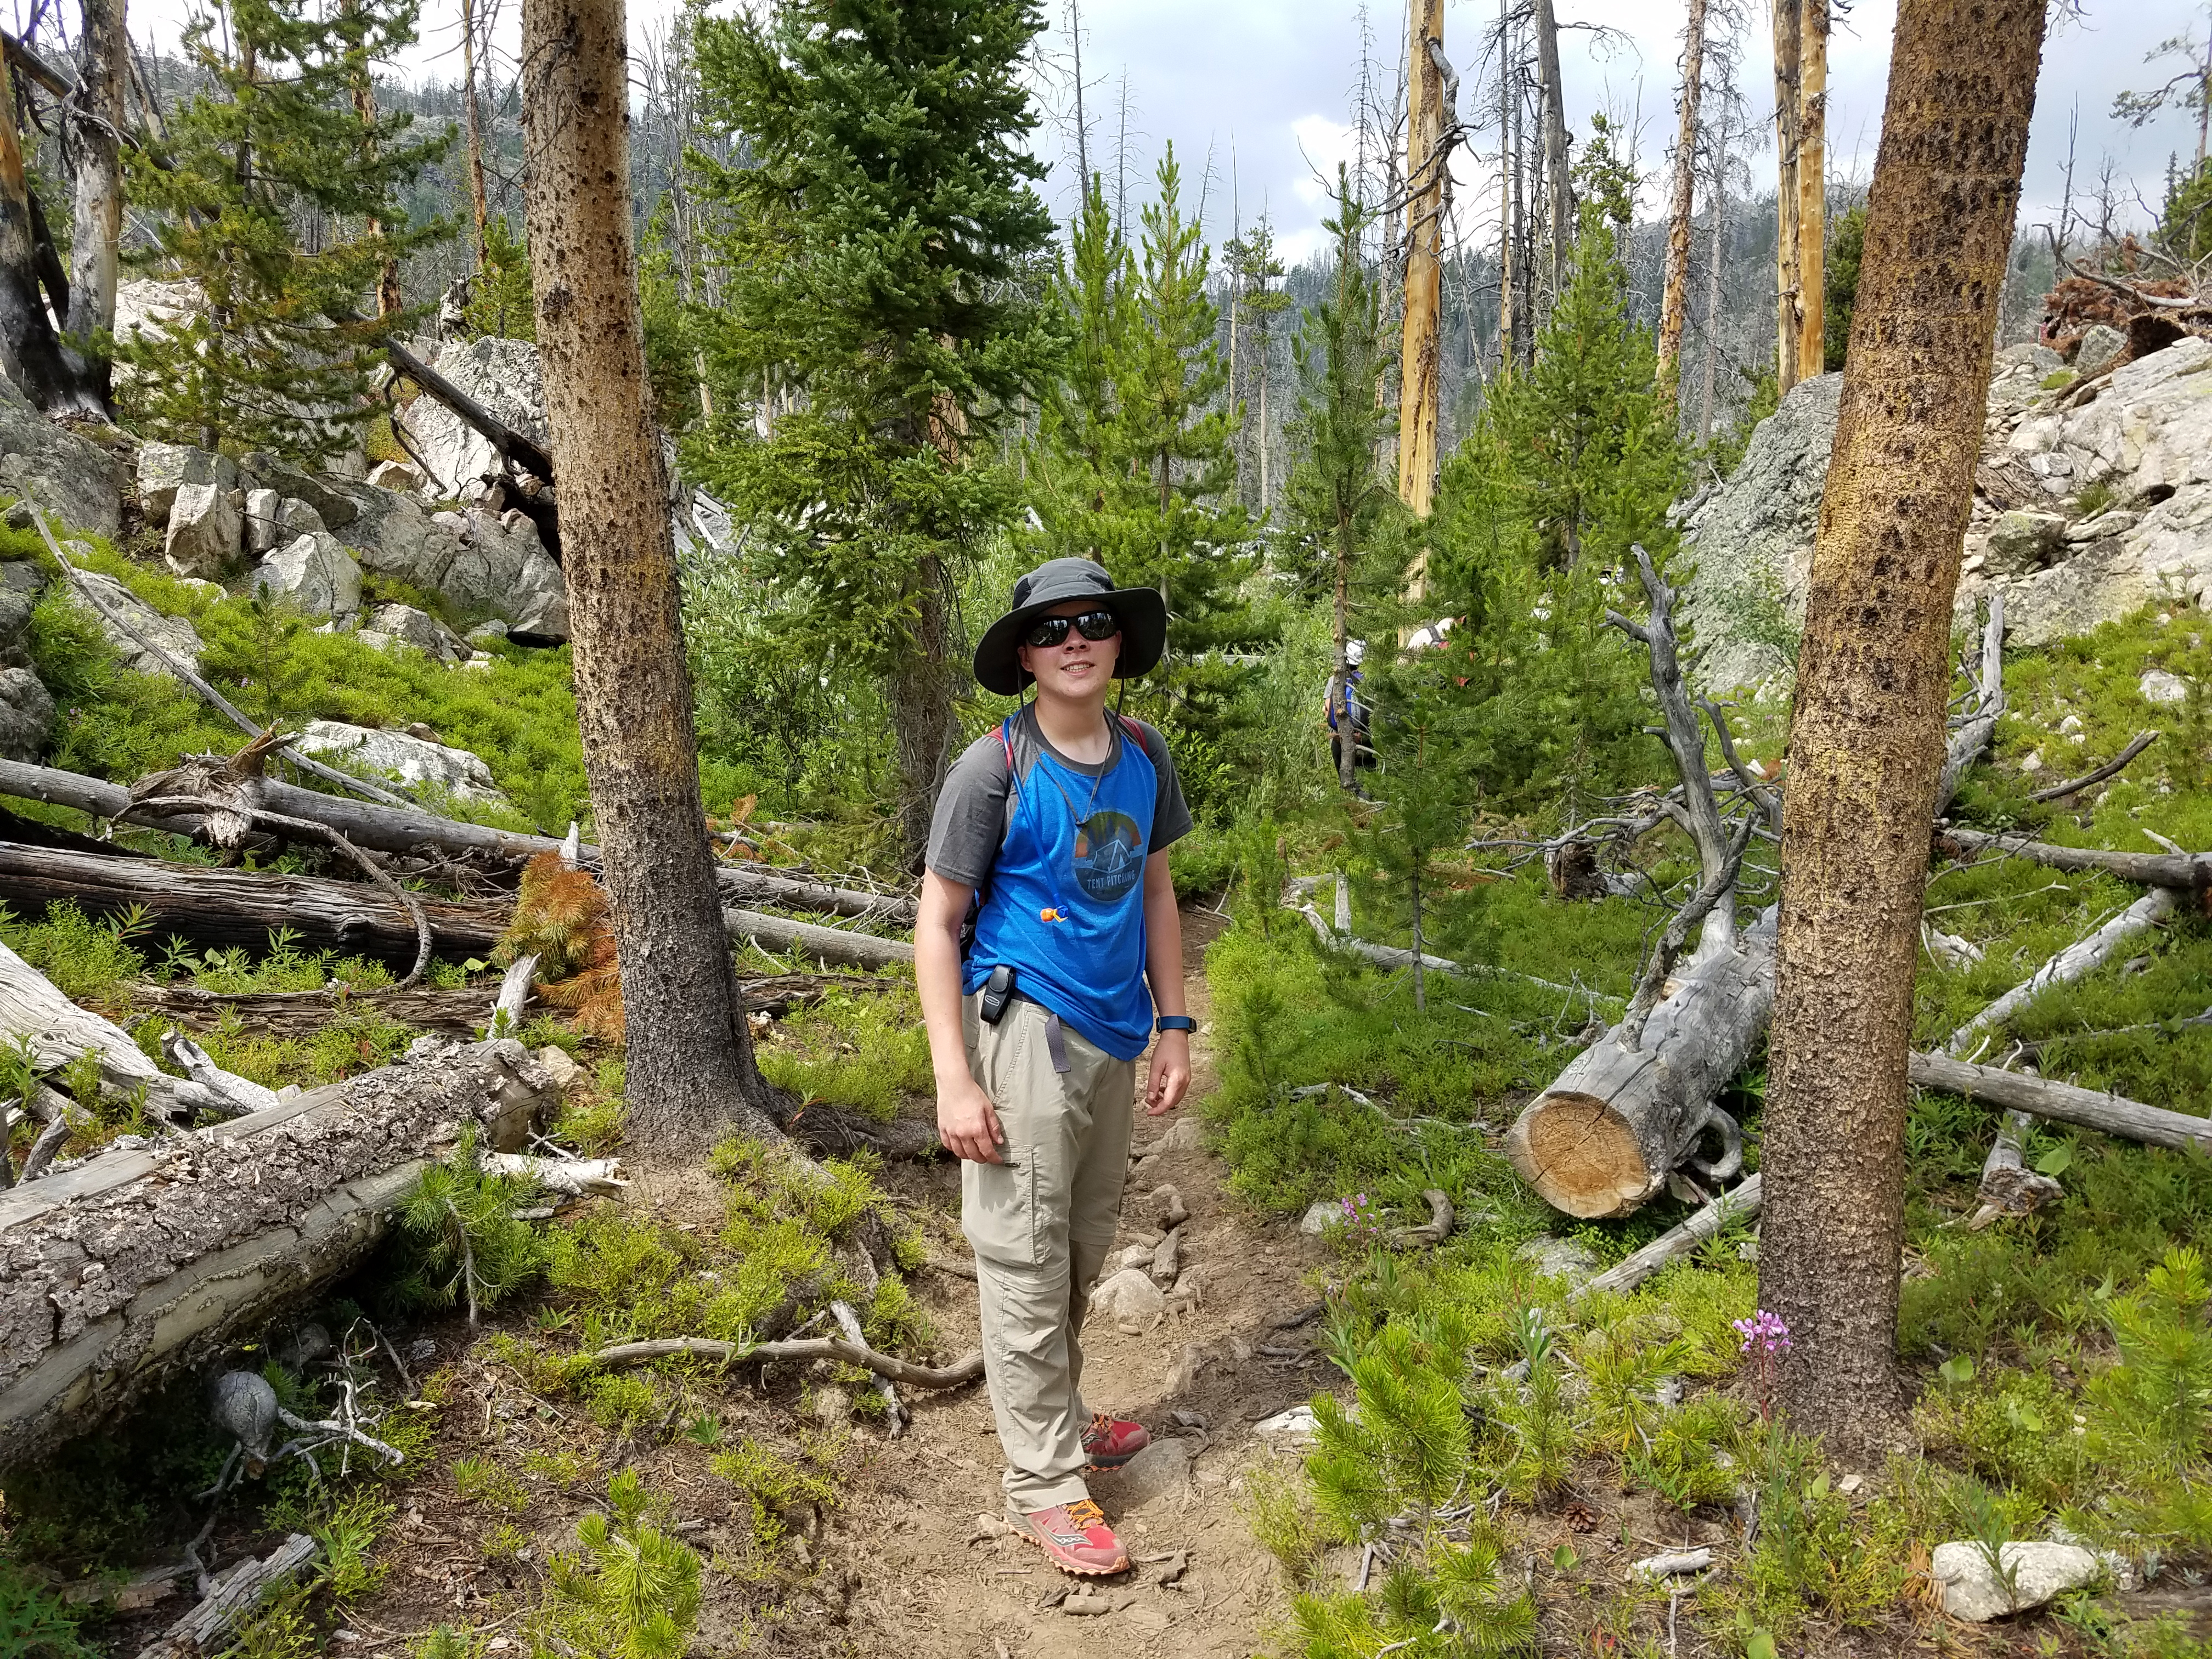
[[1168, 1076]]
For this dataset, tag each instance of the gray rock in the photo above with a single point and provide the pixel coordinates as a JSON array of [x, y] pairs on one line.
[[2113, 522], [401, 476], [2069, 599], [2157, 686], [397, 537], [404, 625], [173, 633], [2031, 355], [27, 714], [1753, 540], [1973, 1592], [164, 468], [263, 534], [1323, 1215], [296, 518], [64, 473], [314, 574], [503, 568], [20, 584], [505, 377], [2024, 540], [486, 634], [410, 760], [2099, 350], [1158, 1473], [328, 496], [1131, 1300], [1558, 1258], [205, 526]]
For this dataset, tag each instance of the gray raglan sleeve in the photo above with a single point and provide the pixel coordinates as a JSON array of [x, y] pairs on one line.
[[970, 820], [1170, 814]]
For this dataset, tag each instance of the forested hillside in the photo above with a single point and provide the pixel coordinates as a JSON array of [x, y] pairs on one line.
[[1645, 717]]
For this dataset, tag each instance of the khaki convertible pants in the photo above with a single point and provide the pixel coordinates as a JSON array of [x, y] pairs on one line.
[[1041, 1223]]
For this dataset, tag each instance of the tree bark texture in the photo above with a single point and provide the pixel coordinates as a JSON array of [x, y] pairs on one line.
[[117, 1273], [1812, 188], [1418, 367], [1604, 1137], [218, 907], [96, 121], [691, 1071], [1867, 739], [1786, 56], [1674, 304], [921, 688], [31, 352]]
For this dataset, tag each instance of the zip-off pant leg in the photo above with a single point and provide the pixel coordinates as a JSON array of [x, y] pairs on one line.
[[1041, 1224]]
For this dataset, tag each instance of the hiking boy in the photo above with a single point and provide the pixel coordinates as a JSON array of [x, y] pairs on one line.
[[1060, 818]]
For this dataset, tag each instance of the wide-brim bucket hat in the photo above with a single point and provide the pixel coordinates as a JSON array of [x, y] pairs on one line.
[[1144, 616]]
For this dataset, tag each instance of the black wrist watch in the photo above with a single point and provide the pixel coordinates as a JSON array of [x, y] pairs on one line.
[[1174, 1023]]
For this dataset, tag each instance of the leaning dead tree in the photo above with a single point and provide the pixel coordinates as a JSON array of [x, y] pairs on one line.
[[1628, 1112], [119, 1272], [1632, 1110]]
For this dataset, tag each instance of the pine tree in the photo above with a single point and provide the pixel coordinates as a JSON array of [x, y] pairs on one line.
[[1338, 503], [878, 258], [278, 356], [1079, 473], [1186, 533]]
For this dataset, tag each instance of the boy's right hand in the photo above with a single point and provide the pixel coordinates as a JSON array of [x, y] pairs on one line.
[[967, 1124]]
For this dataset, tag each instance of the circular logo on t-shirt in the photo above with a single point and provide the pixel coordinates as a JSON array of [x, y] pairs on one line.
[[1109, 856]]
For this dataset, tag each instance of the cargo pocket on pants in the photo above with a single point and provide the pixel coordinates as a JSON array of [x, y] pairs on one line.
[[999, 1209]]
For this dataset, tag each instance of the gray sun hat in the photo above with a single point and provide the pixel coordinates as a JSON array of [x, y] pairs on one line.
[[1144, 621]]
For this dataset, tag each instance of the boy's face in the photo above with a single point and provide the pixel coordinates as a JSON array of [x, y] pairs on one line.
[[1076, 667]]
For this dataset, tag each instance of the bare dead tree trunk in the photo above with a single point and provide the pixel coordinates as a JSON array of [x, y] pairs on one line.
[[1867, 742], [1812, 189], [1418, 368], [96, 120], [1510, 298], [1787, 52], [475, 138], [1675, 304], [31, 354], [691, 1067], [1706, 392], [1559, 186]]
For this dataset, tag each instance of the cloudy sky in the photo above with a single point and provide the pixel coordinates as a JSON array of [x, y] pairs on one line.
[[1256, 95]]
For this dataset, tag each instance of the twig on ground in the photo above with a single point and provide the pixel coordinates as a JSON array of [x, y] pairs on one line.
[[965, 1370], [2058, 791]]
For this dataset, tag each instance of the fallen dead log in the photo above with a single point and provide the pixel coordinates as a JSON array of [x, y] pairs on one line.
[[1604, 1137], [408, 829], [2111, 767], [1966, 744], [221, 906], [785, 937], [2061, 1102], [2076, 962], [966, 1369], [55, 1032], [2186, 873], [456, 1012], [1625, 1275], [230, 1597], [119, 1272]]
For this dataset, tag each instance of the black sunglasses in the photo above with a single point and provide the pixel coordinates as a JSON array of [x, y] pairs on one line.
[[1048, 631]]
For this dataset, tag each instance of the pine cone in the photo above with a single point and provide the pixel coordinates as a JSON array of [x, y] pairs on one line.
[[1581, 1517]]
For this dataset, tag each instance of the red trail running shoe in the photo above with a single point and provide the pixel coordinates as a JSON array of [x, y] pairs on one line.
[[1075, 1538], [1110, 1442]]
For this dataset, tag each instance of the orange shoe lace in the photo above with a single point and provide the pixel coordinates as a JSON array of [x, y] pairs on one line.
[[1101, 1425], [1085, 1513]]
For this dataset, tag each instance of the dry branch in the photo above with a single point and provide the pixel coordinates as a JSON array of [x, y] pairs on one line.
[[2076, 962], [2188, 873], [1680, 1240], [1975, 731], [2110, 768], [229, 1598], [2063, 1102], [1433, 1231], [783, 936], [119, 1272], [966, 1369]]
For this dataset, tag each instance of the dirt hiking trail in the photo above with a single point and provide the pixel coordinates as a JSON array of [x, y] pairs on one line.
[[931, 1588]]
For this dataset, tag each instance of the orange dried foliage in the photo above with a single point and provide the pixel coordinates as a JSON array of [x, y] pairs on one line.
[[561, 914]]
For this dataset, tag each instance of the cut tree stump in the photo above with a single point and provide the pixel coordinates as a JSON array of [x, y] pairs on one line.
[[119, 1272], [1604, 1137], [219, 907]]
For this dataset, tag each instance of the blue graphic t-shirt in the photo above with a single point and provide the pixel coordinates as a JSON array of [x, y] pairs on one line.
[[1060, 847]]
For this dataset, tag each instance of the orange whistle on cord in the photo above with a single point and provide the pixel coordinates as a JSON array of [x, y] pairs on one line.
[[1050, 915]]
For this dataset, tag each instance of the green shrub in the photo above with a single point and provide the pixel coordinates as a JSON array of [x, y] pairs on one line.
[[34, 1623], [629, 1590]]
